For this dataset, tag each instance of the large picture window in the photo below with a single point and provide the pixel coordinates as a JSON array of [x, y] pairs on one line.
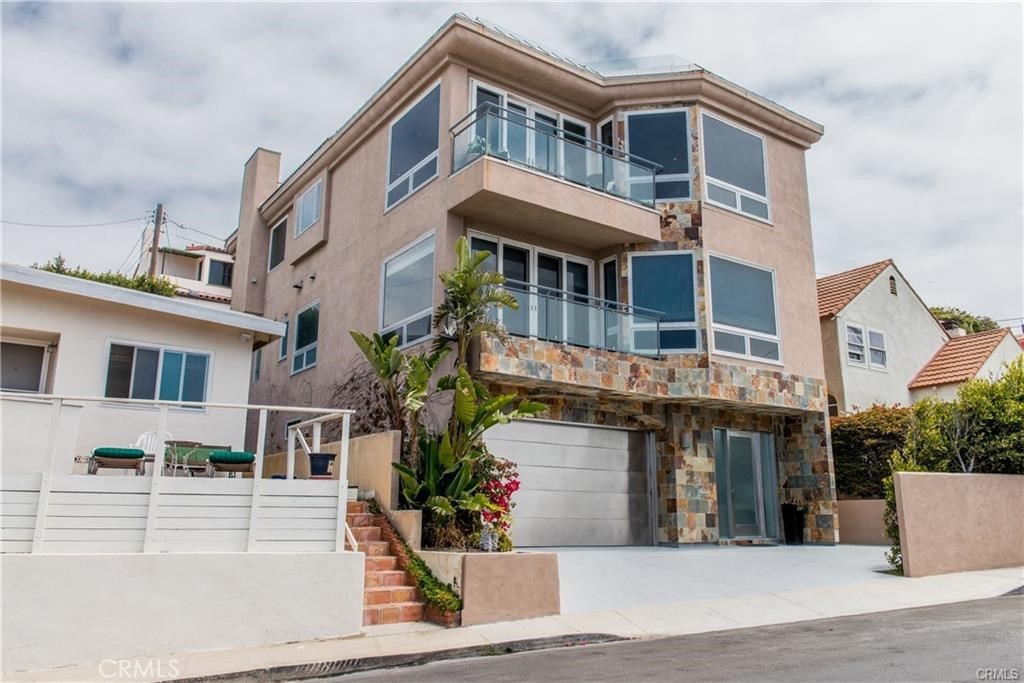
[[743, 310], [408, 292], [661, 136], [220, 273], [307, 209], [412, 147], [664, 281], [734, 163], [277, 240], [151, 372], [307, 335]]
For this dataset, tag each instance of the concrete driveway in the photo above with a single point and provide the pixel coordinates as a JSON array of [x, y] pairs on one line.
[[598, 579]]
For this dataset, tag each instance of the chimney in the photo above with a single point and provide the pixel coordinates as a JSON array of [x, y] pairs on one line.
[[956, 332], [261, 177]]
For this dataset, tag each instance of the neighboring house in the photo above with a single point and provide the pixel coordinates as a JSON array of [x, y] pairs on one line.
[[982, 354], [667, 320], [199, 272], [882, 345], [876, 335], [69, 336]]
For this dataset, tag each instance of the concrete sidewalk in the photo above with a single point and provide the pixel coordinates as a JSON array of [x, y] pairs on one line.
[[694, 616]]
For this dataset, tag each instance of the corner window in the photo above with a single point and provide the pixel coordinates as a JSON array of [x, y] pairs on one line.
[[282, 346], [743, 313], [734, 166], [146, 372], [855, 344], [307, 334], [876, 350], [412, 147], [408, 294], [307, 208], [220, 273], [660, 136], [23, 366], [663, 282], [276, 254]]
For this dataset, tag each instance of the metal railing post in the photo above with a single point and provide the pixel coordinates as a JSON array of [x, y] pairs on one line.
[[46, 478], [154, 487], [342, 531], [257, 477]]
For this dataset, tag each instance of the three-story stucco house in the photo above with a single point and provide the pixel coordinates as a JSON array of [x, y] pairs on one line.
[[652, 219]]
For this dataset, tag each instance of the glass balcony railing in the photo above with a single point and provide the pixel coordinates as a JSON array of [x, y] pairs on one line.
[[538, 143], [569, 318]]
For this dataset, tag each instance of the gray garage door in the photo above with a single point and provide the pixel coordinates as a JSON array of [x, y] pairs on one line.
[[580, 485]]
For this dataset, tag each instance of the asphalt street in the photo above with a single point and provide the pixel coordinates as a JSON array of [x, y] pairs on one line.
[[970, 641]]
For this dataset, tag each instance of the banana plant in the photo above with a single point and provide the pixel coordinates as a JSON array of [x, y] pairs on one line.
[[442, 482]]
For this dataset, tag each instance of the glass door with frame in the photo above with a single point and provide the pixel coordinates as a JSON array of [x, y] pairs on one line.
[[745, 474]]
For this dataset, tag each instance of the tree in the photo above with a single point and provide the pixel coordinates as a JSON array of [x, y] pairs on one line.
[[961, 318], [141, 283]]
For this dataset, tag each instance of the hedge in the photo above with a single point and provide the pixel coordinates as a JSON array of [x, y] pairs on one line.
[[861, 446]]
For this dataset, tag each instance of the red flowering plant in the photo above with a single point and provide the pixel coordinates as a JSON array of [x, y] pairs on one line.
[[500, 482]]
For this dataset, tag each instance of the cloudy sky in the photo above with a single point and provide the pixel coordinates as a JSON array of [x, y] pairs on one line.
[[108, 109]]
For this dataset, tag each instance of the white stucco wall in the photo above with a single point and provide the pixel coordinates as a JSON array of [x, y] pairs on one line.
[[84, 329], [62, 610], [994, 367], [912, 336]]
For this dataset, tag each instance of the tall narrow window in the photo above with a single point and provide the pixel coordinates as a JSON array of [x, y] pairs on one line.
[[855, 344], [282, 349], [743, 310], [734, 163], [876, 350], [307, 335], [308, 208], [663, 282], [220, 273], [409, 292], [610, 280], [156, 373], [412, 147], [257, 363], [660, 136], [276, 251]]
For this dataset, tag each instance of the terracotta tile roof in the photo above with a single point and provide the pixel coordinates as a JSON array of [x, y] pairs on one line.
[[835, 291], [959, 359], [192, 294]]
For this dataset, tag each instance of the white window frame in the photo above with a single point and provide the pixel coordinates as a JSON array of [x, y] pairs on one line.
[[317, 185], [283, 224], [666, 326], [401, 324], [308, 347], [881, 367], [728, 186], [282, 345], [257, 362], [408, 175], [22, 341], [614, 258], [864, 343], [739, 331], [671, 177], [160, 348]]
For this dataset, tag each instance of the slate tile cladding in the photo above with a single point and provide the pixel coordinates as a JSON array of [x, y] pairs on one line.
[[687, 505]]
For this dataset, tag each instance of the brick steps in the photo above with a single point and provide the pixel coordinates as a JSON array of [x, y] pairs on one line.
[[390, 595]]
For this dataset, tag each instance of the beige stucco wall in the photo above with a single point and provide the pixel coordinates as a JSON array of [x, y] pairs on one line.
[[959, 522], [861, 522], [86, 327]]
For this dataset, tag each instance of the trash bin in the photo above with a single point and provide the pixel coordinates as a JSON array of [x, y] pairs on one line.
[[793, 524]]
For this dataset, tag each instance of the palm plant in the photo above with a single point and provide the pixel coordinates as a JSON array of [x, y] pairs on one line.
[[471, 292]]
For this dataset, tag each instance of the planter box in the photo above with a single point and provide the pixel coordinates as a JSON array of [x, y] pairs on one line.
[[499, 586]]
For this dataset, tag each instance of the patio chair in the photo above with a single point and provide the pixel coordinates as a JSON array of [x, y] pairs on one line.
[[231, 462], [114, 458], [148, 442]]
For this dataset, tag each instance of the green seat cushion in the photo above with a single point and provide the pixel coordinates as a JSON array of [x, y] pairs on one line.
[[232, 457], [114, 452]]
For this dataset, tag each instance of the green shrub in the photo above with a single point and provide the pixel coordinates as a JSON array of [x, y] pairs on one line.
[[897, 463], [861, 446], [440, 595], [141, 283]]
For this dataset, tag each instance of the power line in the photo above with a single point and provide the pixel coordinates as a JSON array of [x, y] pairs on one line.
[[79, 225], [185, 227], [138, 241]]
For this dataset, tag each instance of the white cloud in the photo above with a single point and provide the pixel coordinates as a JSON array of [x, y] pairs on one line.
[[108, 109]]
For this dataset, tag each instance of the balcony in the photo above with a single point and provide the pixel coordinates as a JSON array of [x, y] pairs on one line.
[[511, 170]]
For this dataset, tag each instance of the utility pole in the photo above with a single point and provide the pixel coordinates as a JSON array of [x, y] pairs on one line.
[[158, 223]]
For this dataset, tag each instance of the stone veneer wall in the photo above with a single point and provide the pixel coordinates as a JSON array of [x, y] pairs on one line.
[[687, 505]]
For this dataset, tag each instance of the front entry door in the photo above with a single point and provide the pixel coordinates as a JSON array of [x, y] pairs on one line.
[[746, 499]]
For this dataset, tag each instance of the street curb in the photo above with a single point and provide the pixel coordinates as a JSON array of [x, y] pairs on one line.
[[299, 672]]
